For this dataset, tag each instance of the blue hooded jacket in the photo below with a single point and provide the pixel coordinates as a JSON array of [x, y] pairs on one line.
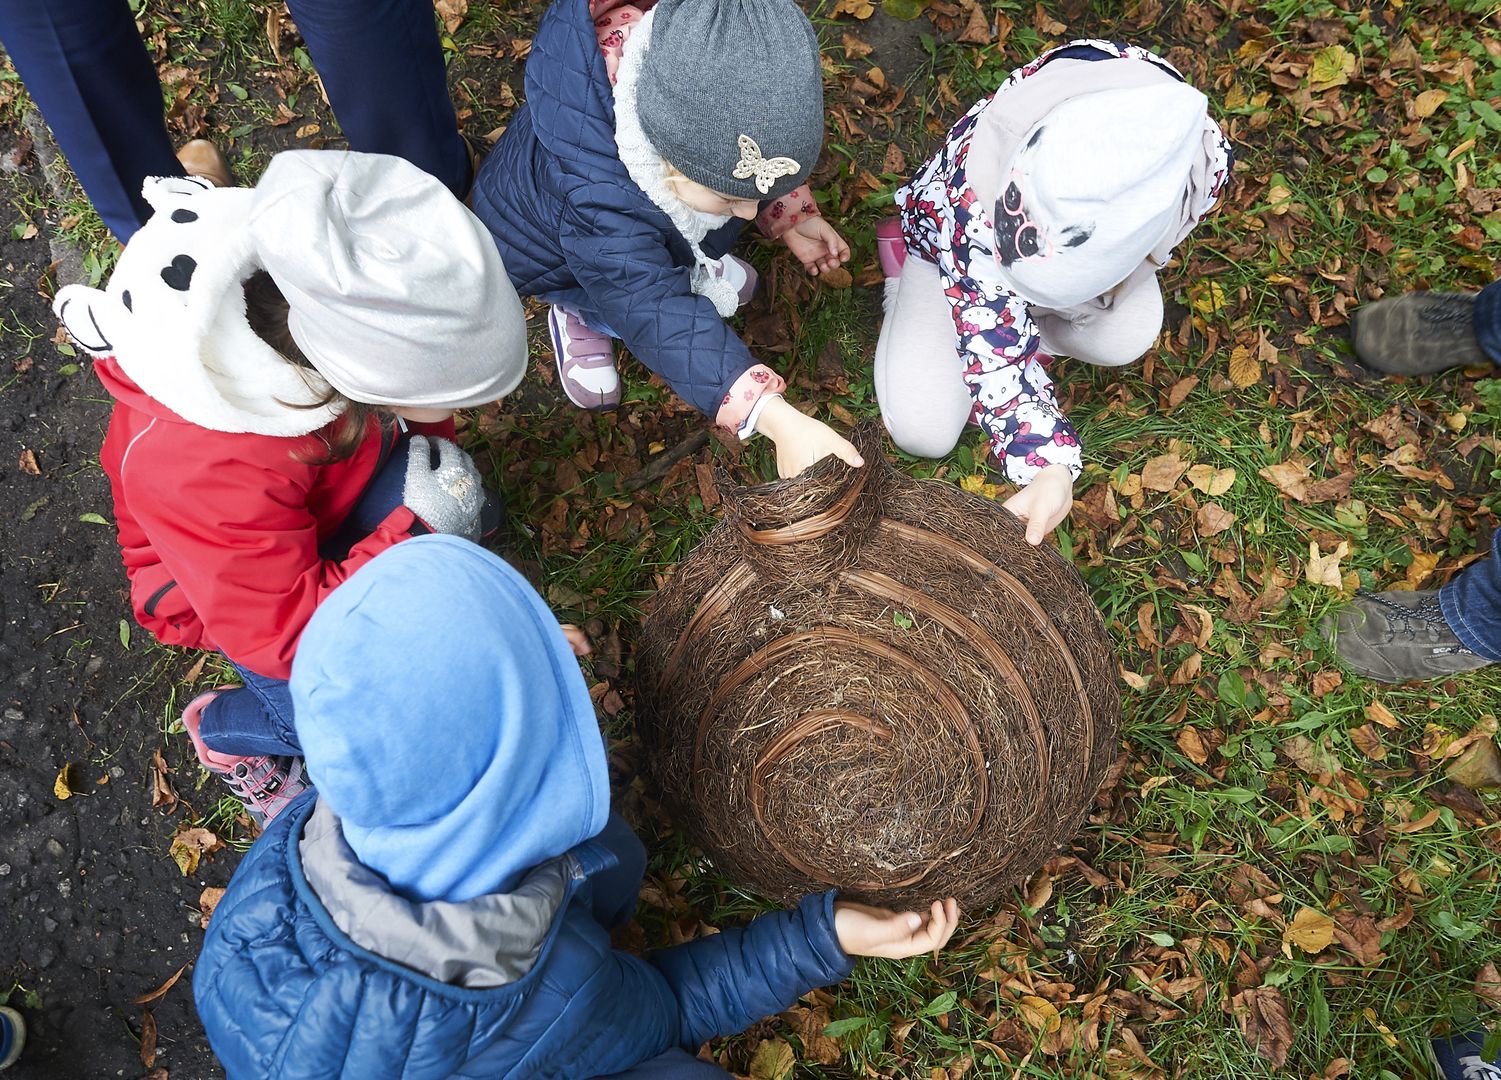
[[454, 924], [573, 228]]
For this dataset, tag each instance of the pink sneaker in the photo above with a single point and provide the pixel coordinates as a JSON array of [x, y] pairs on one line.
[[265, 786], [891, 246], [586, 361], [741, 275]]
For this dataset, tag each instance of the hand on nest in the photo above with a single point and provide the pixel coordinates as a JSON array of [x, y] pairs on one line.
[[801, 440], [1045, 502], [873, 931]]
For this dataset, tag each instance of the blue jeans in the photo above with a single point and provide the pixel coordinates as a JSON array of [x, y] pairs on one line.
[[1472, 604], [257, 719], [1488, 321], [89, 72]]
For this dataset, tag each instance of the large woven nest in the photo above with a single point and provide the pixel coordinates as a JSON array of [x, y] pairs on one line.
[[864, 680]]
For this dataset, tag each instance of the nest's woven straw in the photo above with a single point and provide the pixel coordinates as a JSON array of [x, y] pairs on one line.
[[863, 680]]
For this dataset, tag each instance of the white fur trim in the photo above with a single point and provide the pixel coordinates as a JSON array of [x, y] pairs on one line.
[[648, 169]]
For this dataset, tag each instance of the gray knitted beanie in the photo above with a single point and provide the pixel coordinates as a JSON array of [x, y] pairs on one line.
[[731, 94]]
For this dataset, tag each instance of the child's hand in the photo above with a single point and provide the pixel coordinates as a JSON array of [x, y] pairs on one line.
[[872, 931], [1044, 502], [578, 641], [802, 441], [816, 244]]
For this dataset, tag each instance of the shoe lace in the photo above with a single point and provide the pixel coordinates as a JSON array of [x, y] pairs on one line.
[[263, 782], [1448, 309], [1427, 618]]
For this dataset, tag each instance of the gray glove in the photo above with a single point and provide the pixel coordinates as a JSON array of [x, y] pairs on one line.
[[447, 498]]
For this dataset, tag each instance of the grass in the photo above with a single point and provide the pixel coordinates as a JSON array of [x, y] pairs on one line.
[[1248, 789]]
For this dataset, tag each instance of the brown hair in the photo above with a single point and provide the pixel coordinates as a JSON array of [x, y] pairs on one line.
[[266, 310]]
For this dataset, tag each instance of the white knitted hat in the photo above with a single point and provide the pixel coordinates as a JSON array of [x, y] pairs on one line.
[[1093, 188]]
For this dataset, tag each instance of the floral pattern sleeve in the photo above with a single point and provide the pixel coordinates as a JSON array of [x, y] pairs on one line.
[[738, 404], [780, 215]]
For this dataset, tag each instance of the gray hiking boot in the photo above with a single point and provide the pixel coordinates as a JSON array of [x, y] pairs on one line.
[[1395, 637], [1418, 334]]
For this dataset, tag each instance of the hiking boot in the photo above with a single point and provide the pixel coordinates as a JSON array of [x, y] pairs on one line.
[[1462, 1057], [891, 246], [201, 158], [12, 1036], [586, 361], [1395, 637], [264, 785], [1418, 333]]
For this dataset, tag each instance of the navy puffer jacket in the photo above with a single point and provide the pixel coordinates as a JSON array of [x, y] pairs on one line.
[[573, 228], [283, 992]]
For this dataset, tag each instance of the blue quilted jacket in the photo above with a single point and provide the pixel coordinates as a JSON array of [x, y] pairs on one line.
[[531, 986], [574, 228]]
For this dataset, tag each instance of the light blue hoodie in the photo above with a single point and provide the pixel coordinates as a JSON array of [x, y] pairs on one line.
[[444, 717]]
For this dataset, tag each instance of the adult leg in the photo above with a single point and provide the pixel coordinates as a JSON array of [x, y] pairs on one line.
[[1472, 604], [1106, 336], [255, 719], [673, 1065], [382, 65], [87, 69], [1420, 333], [918, 375], [1488, 321]]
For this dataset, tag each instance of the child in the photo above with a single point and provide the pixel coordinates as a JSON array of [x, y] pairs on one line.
[[263, 347], [1038, 230], [650, 134], [442, 907]]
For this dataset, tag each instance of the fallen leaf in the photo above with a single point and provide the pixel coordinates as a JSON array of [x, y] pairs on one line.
[[1162, 473], [1324, 569], [1312, 931], [1289, 477], [1262, 1015], [1367, 740], [1325, 681], [28, 464], [1178, 393], [1211, 481], [1378, 713], [773, 1060], [808, 1024], [1421, 566], [1192, 743], [190, 845], [1427, 103], [1245, 369], [860, 9], [64, 786], [160, 991], [1332, 66], [1478, 768], [1213, 519], [1358, 935], [208, 900], [1488, 985], [148, 1039], [1039, 1013], [452, 12], [161, 788], [976, 484], [836, 278]]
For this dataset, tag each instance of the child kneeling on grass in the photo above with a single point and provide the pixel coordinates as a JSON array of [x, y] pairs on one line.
[[650, 134], [1037, 230], [441, 904], [265, 348]]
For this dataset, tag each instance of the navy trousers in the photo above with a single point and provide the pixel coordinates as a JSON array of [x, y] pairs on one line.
[[87, 69]]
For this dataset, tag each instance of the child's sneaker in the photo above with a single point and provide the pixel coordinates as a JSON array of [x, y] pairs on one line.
[[891, 246], [586, 361], [1397, 636], [1462, 1057], [741, 275], [264, 785], [12, 1036]]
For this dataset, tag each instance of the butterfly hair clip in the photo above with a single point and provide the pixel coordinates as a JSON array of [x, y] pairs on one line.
[[765, 170]]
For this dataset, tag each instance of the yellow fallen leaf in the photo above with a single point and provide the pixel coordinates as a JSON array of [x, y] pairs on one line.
[[1039, 1013], [1211, 481], [1310, 930], [1332, 66], [1423, 563], [1245, 369], [773, 1060], [977, 485], [62, 787], [1427, 103], [1206, 297], [1324, 569]]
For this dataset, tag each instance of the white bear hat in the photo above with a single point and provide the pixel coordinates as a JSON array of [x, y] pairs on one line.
[[397, 296], [1094, 187]]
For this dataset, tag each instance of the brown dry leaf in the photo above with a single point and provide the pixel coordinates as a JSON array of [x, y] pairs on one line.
[[773, 1060], [1192, 743], [1162, 473], [1313, 758], [273, 29], [894, 161], [1178, 393], [208, 900], [859, 9], [28, 464], [1325, 681], [160, 991], [853, 47], [452, 12], [1378, 713], [1211, 481], [190, 845], [1427, 821], [836, 278], [1039, 1013], [808, 1024], [1358, 935], [161, 788], [1478, 768], [1427, 103], [1368, 741], [1262, 1015], [1488, 985], [1312, 931], [1289, 477], [977, 29], [1213, 519], [1422, 565], [1324, 569], [1245, 368], [148, 1039]]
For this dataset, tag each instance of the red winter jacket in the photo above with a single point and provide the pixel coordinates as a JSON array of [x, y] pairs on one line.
[[220, 532]]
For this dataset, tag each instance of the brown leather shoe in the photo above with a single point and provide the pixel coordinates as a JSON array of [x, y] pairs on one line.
[[202, 158]]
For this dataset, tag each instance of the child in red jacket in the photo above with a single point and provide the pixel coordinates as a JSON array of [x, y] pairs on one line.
[[268, 349]]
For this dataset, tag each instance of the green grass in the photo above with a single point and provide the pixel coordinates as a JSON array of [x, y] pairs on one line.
[[1208, 842]]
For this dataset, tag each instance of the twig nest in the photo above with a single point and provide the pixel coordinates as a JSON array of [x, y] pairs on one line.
[[872, 682]]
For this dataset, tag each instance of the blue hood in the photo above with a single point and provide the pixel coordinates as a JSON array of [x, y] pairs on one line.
[[445, 721]]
